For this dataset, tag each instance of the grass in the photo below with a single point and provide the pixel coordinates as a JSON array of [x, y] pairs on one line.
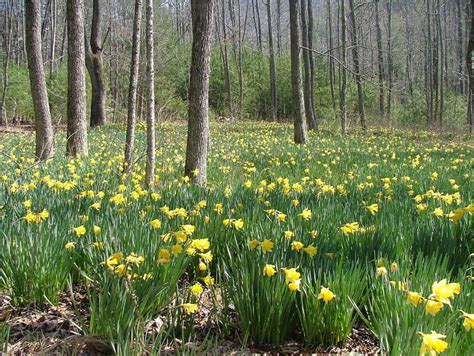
[[369, 217]]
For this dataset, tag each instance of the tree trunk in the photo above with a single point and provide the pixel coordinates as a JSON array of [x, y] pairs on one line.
[[257, 24], [342, 66], [271, 54], [279, 45], [95, 68], [150, 117], [332, 71], [300, 126], [76, 101], [53, 37], [355, 59], [470, 70], [198, 111], [380, 60], [429, 66], [39, 94], [440, 63], [311, 63], [225, 58], [6, 59], [389, 60], [308, 102], [132, 88], [460, 42]]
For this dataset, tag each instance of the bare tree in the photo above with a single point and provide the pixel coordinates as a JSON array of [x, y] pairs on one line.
[[389, 60], [332, 71], [271, 56], [132, 88], [150, 117], [76, 100], [308, 94], [470, 70], [311, 62], [44, 129], [7, 45], [198, 111], [380, 59], [300, 126], [342, 68], [357, 67], [95, 68]]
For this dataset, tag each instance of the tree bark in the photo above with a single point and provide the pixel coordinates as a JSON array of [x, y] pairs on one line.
[[279, 45], [332, 71], [357, 69], [460, 41], [311, 63], [470, 70], [95, 68], [132, 88], [7, 39], [53, 38], [225, 58], [150, 118], [257, 24], [440, 63], [39, 94], [271, 55], [308, 100], [429, 66], [198, 111], [342, 68], [300, 126], [76, 102], [380, 60]]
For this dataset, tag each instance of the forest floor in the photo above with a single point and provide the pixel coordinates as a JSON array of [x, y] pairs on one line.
[[362, 242], [54, 329]]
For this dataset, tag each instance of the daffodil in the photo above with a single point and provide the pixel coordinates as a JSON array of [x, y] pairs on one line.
[[432, 307], [266, 246], [188, 229], [190, 308], [433, 343], [80, 231], [196, 289], [206, 257], [291, 275], [269, 270], [326, 294], [134, 259], [253, 244], [297, 245], [208, 281], [381, 271], [70, 246], [155, 224], [294, 286], [443, 290], [201, 244], [306, 214], [468, 322], [372, 209], [414, 298], [114, 260], [311, 250]]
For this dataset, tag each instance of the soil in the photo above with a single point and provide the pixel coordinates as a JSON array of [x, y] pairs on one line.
[[58, 330]]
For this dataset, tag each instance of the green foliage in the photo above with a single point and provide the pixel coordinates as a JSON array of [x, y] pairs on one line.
[[396, 323], [315, 203]]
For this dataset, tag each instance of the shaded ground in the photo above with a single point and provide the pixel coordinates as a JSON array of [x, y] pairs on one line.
[[55, 329]]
